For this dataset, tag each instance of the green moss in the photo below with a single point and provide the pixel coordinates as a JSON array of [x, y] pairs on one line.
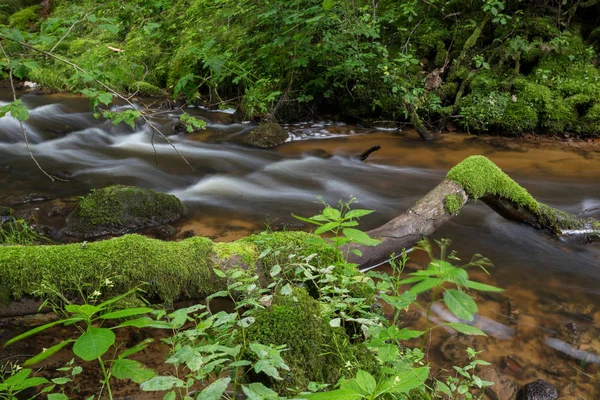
[[316, 352], [590, 123], [519, 117], [172, 269], [453, 203], [25, 18], [4, 18], [146, 89], [118, 209], [479, 176]]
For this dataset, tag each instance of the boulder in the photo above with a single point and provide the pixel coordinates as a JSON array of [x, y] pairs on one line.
[[267, 134], [117, 210], [538, 390], [502, 389]]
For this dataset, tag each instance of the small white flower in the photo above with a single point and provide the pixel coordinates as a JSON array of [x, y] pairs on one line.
[[108, 283], [96, 293], [396, 380]]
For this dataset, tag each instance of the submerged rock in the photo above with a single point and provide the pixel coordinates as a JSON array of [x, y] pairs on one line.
[[502, 389], [116, 210], [538, 390], [268, 134]]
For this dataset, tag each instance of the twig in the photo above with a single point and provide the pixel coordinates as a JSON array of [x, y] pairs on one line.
[[108, 88], [25, 137], [70, 29]]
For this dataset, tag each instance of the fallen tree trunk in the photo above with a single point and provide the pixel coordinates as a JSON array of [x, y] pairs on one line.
[[475, 178], [185, 269]]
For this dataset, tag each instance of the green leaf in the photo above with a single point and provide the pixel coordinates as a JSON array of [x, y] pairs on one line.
[[160, 383], [131, 369], [460, 304], [61, 381], [360, 237], [47, 353], [286, 290], [57, 396], [357, 214], [93, 343], [340, 394], [482, 287], [105, 98], [170, 396], [219, 273], [333, 214], [366, 382], [425, 285], [85, 310], [328, 4], [268, 368], [142, 322], [129, 312], [307, 220], [327, 227], [258, 391], [464, 328], [275, 270], [407, 334], [215, 390], [357, 252], [39, 329]]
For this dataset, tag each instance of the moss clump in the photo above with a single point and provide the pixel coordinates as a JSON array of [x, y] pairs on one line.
[[146, 89], [479, 176], [172, 269], [119, 209], [268, 134], [452, 203], [519, 118], [313, 346], [25, 18]]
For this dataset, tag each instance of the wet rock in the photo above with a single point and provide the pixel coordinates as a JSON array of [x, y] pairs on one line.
[[63, 174], [188, 234], [117, 210], [57, 211], [454, 349], [538, 390], [163, 232], [5, 169], [267, 134], [5, 211], [577, 309], [288, 225], [31, 198], [572, 333], [503, 388], [513, 365]]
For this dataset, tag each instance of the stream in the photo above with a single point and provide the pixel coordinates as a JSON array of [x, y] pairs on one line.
[[545, 326]]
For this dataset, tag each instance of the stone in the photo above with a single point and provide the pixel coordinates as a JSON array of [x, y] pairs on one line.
[[454, 349], [503, 388], [538, 390], [117, 210], [266, 135]]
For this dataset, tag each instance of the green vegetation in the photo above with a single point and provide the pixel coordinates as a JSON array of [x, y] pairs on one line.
[[453, 203], [300, 329], [506, 67]]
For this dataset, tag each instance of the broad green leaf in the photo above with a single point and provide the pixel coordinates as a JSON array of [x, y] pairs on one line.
[[327, 227], [215, 390], [170, 396], [335, 323], [425, 285], [482, 287], [366, 382], [333, 214], [407, 334], [357, 213], [460, 304], [275, 270], [399, 302], [340, 394], [357, 252], [160, 383], [388, 353], [219, 273], [268, 368], [360, 237], [129, 312], [464, 328], [131, 369], [86, 310], [410, 379], [47, 353], [61, 381], [93, 343], [286, 290], [258, 391]]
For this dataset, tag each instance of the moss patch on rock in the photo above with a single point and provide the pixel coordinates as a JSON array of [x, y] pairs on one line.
[[295, 321], [25, 18], [268, 134], [120, 209]]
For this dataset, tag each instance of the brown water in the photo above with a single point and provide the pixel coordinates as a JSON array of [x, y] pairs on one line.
[[235, 190]]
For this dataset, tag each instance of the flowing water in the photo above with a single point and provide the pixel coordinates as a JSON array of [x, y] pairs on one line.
[[235, 190]]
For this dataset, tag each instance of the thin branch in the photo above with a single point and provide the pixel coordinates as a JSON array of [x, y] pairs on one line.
[[70, 29], [108, 88], [25, 137]]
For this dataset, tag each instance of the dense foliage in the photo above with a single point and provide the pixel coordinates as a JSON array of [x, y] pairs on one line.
[[489, 65]]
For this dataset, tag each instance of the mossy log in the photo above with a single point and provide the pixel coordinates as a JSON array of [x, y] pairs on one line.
[[475, 178], [168, 270], [179, 270]]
